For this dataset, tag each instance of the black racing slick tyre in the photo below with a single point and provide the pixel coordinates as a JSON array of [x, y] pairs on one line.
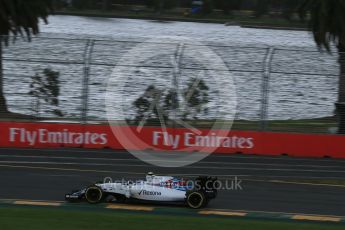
[[196, 200], [94, 195]]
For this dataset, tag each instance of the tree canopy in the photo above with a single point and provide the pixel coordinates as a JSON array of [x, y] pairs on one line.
[[327, 21], [21, 17]]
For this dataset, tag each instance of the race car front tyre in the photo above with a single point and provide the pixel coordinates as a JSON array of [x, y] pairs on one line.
[[94, 195], [196, 200]]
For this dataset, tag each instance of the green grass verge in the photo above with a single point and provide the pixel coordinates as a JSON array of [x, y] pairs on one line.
[[48, 218], [317, 125]]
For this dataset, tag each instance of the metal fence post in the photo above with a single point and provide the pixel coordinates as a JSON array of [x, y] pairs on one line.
[[265, 88], [86, 78], [177, 72]]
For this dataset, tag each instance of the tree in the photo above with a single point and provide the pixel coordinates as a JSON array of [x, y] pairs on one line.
[[262, 8], [171, 103], [160, 5], [289, 8], [207, 7], [149, 106], [196, 98], [327, 22], [19, 17], [46, 89], [106, 5], [156, 105], [228, 6]]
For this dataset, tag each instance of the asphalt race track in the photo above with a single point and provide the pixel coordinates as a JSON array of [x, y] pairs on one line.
[[47, 174]]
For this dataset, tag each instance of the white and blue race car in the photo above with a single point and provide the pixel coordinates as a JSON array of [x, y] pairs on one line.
[[194, 193]]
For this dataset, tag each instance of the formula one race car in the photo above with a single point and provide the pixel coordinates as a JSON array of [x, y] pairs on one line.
[[194, 193]]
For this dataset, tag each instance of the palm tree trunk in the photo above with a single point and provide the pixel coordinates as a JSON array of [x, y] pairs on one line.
[[3, 104], [340, 105]]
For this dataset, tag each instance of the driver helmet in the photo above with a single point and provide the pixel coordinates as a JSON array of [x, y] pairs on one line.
[[150, 176]]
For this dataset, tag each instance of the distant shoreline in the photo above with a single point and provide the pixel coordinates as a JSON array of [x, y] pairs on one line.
[[226, 22]]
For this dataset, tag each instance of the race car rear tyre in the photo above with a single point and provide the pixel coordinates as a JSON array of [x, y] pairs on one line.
[[94, 195], [196, 200]]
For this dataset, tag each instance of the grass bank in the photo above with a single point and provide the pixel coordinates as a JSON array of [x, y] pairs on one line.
[[13, 218]]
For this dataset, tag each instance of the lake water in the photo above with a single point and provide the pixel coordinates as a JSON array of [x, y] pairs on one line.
[[303, 81]]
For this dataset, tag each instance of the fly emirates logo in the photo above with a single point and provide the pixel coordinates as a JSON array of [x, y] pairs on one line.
[[192, 140], [42, 136]]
